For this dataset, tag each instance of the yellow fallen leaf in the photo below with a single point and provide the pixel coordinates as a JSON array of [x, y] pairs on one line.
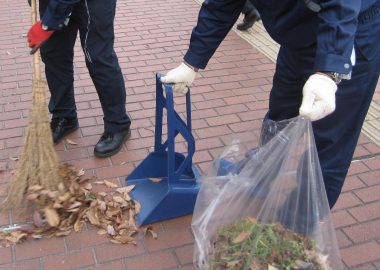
[[149, 230], [99, 182], [137, 207], [71, 142], [118, 199], [32, 196], [16, 236], [51, 216], [110, 184], [64, 197], [126, 189], [241, 237], [102, 232], [88, 186], [115, 241], [155, 180], [35, 188], [81, 172]]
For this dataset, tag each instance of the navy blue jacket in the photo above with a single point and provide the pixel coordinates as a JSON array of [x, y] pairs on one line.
[[57, 12], [290, 23]]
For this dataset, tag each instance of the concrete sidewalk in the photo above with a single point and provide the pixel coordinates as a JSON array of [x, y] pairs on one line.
[[229, 97]]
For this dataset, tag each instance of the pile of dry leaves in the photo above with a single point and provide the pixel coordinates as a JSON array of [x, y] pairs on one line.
[[59, 212]]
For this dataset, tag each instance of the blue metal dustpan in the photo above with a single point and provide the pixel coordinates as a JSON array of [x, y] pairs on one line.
[[166, 182]]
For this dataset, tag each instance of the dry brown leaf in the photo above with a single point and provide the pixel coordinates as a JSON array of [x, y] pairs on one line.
[[252, 220], [131, 220], [127, 197], [52, 194], [99, 182], [81, 172], [103, 194], [137, 207], [16, 236], [123, 225], [112, 211], [102, 232], [124, 190], [63, 198], [71, 142], [149, 230], [51, 216], [35, 188], [115, 241], [110, 184], [92, 215], [78, 225], [62, 233], [155, 180], [61, 187], [57, 205], [119, 199], [32, 196], [88, 186], [124, 239], [102, 206], [241, 237], [233, 264], [74, 207]]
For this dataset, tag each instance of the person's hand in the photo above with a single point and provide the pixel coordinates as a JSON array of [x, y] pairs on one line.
[[37, 36], [318, 97], [182, 77]]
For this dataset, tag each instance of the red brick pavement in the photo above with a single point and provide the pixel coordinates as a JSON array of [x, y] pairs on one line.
[[229, 97]]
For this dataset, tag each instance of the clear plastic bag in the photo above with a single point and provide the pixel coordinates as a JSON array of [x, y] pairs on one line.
[[266, 207]]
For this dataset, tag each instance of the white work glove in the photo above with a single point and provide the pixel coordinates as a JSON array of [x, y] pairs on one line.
[[182, 77], [318, 97]]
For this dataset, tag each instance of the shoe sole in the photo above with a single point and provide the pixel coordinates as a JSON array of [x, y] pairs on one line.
[[114, 151], [65, 134]]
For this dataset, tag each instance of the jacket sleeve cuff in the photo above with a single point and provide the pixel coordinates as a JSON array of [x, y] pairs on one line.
[[333, 63], [195, 60], [51, 22]]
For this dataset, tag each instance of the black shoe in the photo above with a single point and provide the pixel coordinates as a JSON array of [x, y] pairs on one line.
[[249, 21], [110, 143], [61, 127]]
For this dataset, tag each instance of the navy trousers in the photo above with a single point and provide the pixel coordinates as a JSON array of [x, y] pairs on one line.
[[337, 134], [94, 20]]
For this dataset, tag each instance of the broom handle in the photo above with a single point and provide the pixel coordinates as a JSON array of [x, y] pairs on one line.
[[36, 55]]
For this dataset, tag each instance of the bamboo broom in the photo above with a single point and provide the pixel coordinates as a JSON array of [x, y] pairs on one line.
[[38, 164]]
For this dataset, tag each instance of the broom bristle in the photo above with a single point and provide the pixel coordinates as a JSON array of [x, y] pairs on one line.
[[38, 164]]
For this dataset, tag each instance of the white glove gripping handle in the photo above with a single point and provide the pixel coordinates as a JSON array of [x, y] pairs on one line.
[[318, 97], [182, 77]]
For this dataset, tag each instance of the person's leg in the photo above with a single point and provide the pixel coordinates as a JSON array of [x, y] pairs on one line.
[[97, 39], [57, 54], [251, 15], [336, 135]]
